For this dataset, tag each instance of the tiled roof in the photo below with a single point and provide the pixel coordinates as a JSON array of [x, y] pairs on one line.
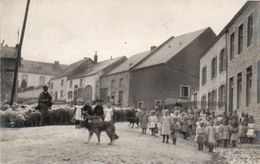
[[36, 67], [169, 49], [75, 68], [97, 67], [129, 63], [8, 52]]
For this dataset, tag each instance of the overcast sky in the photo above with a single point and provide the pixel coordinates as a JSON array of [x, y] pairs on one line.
[[68, 30]]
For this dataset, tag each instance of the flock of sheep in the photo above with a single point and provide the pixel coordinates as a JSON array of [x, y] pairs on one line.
[[20, 115]]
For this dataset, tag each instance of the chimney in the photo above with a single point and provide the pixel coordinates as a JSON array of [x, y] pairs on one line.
[[153, 47], [56, 64], [95, 57]]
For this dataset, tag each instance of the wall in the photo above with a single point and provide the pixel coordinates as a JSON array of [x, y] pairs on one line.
[[105, 82], [32, 94], [248, 57], [33, 79], [57, 87]]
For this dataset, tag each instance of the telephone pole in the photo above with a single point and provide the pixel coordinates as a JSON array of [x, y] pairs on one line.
[[18, 60]]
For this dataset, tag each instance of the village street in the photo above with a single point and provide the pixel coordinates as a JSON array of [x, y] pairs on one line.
[[65, 144]]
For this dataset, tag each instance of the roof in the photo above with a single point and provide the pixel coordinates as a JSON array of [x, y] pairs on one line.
[[129, 63], [230, 23], [100, 66], [169, 49], [74, 68], [8, 52], [41, 67]]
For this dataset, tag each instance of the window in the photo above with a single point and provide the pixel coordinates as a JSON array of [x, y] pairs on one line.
[[249, 30], [221, 96], [113, 83], [61, 93], [195, 99], [61, 83], [113, 95], [222, 61], [140, 104], [239, 89], [209, 100], [42, 80], [51, 85], [232, 45], [248, 85], [120, 97], [258, 81], [204, 75], [214, 68], [203, 101], [185, 90], [158, 103], [121, 83], [214, 99], [240, 38], [231, 85], [70, 95], [81, 83], [71, 83]]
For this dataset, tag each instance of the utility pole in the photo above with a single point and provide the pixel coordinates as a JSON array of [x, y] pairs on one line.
[[18, 60]]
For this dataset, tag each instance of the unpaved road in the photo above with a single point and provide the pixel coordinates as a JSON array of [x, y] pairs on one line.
[[65, 144]]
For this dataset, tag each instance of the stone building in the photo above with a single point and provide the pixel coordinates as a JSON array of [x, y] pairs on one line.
[[169, 72], [212, 92], [240, 40], [8, 56], [114, 86]]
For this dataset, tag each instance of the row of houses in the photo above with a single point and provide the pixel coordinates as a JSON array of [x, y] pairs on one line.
[[148, 79], [230, 67]]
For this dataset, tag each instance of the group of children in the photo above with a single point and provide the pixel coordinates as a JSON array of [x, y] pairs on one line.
[[208, 128]]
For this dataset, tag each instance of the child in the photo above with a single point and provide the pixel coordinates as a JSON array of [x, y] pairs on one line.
[[218, 133], [166, 126], [143, 120], [152, 122], [184, 127], [226, 133], [211, 133], [78, 115], [251, 132], [242, 132], [174, 129], [200, 132], [234, 134]]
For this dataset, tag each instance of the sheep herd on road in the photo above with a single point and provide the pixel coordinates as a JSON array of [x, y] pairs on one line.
[[20, 115]]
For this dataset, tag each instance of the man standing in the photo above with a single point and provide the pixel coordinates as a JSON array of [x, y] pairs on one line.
[[44, 103], [87, 109], [99, 111]]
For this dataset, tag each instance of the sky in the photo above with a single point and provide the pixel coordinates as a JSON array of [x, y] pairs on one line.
[[69, 30]]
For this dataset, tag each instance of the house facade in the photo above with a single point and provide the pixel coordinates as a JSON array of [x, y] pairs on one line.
[[33, 73], [170, 72], [240, 40], [8, 56], [243, 47], [114, 86], [212, 90]]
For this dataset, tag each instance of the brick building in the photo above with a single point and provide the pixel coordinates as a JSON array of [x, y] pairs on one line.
[[169, 72]]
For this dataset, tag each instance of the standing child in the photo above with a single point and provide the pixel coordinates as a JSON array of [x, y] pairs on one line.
[[225, 134], [200, 133], [211, 133], [174, 130], [242, 132], [152, 122], [166, 126], [234, 134], [143, 120], [218, 136], [78, 115]]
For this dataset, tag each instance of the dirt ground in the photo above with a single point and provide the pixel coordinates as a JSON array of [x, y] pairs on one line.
[[65, 144]]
